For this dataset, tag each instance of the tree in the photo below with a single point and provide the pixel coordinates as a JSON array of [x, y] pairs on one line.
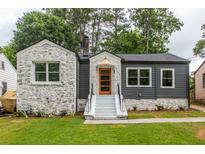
[[86, 22], [127, 42], [199, 48], [116, 25], [35, 26], [9, 52], [79, 18], [155, 26]]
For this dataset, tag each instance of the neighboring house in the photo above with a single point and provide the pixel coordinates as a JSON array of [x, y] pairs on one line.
[[54, 80], [8, 75], [200, 82]]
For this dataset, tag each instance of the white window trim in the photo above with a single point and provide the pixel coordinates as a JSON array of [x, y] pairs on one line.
[[173, 77], [45, 82], [139, 68]]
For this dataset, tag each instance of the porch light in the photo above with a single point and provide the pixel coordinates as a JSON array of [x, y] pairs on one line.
[[105, 62]]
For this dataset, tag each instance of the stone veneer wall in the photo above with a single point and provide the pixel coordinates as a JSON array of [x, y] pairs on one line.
[[81, 104], [151, 104], [48, 98]]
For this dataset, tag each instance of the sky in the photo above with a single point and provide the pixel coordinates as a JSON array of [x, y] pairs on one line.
[[181, 42]]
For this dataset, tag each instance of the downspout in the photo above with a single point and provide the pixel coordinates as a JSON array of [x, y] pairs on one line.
[[188, 88], [77, 83], [155, 71]]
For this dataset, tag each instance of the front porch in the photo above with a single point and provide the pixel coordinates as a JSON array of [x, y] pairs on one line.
[[105, 100]]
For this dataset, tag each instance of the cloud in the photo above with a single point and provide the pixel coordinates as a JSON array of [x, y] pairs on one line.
[[8, 18], [183, 42]]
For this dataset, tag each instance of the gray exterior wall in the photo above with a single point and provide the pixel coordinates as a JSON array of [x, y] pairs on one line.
[[181, 83], [154, 92], [84, 79]]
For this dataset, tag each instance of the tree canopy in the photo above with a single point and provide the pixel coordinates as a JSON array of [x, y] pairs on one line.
[[35, 26], [155, 27], [199, 48], [117, 30]]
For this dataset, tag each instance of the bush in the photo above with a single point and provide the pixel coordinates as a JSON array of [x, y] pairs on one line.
[[159, 107], [21, 114], [134, 108], [181, 108]]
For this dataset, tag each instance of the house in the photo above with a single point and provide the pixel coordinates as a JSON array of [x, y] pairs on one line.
[[54, 80], [200, 82], [8, 75]]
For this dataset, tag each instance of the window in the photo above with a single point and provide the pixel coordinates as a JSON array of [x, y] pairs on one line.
[[4, 89], [167, 78], [2, 65], [47, 72], [40, 71], [139, 77], [204, 80]]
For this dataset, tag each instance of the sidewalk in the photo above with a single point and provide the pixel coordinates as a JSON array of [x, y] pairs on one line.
[[142, 121], [198, 107]]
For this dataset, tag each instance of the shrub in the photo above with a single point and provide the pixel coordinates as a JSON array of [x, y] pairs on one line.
[[21, 114], [135, 108], [159, 107], [181, 108]]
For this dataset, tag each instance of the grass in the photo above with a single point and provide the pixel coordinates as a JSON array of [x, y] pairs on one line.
[[71, 130], [165, 114]]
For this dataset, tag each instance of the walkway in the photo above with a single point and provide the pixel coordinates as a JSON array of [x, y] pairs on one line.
[[198, 107], [142, 121]]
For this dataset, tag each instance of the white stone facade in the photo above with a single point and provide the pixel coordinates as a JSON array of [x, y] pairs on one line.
[[151, 104], [81, 104], [115, 71], [48, 98]]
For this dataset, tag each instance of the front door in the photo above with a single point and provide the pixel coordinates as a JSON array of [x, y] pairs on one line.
[[105, 81]]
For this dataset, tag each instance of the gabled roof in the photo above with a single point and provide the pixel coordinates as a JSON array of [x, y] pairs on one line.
[[203, 63], [107, 52], [44, 41], [161, 57]]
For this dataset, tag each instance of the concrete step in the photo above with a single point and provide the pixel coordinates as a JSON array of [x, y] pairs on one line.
[[106, 112], [107, 104], [105, 115], [105, 118], [105, 108], [105, 96], [100, 104], [102, 101]]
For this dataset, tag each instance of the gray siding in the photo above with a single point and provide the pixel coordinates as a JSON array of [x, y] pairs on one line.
[[181, 77], [83, 80], [181, 80], [133, 92]]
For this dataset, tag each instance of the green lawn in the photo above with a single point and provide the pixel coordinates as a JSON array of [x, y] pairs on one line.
[[165, 114], [71, 130]]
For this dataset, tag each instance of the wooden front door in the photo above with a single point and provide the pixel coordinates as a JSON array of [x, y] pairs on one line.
[[105, 81]]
